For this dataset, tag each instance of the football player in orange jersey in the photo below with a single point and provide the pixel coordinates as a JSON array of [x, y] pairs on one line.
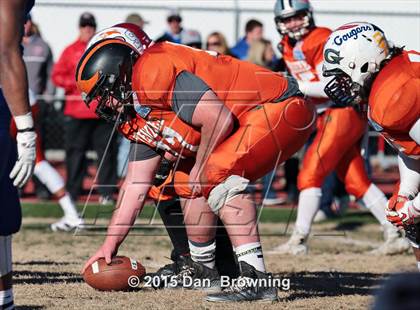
[[224, 120], [339, 131], [367, 69], [162, 191]]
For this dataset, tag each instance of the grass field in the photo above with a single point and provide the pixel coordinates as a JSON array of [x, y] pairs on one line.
[[338, 273]]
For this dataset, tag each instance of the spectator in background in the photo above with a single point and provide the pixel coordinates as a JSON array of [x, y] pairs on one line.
[[173, 34], [216, 42], [253, 32], [136, 19], [191, 38], [83, 128], [261, 53], [39, 62]]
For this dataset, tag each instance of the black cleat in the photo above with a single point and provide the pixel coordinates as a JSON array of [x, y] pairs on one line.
[[168, 272], [252, 285], [197, 276]]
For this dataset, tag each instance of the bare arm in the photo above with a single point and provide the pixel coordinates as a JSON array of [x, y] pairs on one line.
[[131, 199], [13, 77], [216, 123]]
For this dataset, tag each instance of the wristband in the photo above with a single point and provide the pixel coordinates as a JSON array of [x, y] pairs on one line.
[[24, 122]]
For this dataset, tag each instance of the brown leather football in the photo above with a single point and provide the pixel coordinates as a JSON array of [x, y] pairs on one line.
[[116, 275]]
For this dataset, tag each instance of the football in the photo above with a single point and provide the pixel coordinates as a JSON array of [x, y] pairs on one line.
[[115, 276]]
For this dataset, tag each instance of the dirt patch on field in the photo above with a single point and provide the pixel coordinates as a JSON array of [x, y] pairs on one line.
[[338, 273]]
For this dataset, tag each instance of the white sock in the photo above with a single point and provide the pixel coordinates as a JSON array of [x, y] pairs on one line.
[[375, 200], [68, 206], [49, 176], [6, 299], [308, 206], [252, 254], [204, 253]]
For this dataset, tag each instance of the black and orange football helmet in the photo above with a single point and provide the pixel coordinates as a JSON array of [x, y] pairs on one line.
[[104, 75]]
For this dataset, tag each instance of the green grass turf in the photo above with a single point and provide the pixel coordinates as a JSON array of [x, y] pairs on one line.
[[267, 215]]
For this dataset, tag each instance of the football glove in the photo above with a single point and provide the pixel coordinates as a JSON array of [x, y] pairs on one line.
[[401, 211], [25, 139]]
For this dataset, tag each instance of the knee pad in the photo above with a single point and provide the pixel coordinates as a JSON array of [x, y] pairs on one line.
[[5, 255], [48, 176], [226, 191]]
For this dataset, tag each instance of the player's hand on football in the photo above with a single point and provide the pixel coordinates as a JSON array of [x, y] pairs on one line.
[[400, 211], [106, 251], [25, 163]]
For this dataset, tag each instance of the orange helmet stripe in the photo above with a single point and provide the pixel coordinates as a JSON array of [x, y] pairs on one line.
[[88, 54]]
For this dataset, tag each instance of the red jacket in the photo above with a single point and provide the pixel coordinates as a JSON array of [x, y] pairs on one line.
[[63, 75]]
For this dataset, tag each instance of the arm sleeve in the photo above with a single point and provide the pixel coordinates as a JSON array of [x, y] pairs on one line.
[[315, 88], [292, 89], [141, 151], [187, 93], [154, 79], [409, 174], [415, 132]]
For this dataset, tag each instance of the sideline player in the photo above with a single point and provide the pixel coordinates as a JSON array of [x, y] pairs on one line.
[[367, 69], [14, 99], [336, 146], [51, 179], [223, 131]]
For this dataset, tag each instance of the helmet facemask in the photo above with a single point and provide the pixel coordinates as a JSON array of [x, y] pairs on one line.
[[342, 90], [113, 95], [112, 98], [352, 57], [308, 23], [346, 90]]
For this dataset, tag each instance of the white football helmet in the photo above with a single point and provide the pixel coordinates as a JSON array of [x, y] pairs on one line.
[[352, 55], [130, 33]]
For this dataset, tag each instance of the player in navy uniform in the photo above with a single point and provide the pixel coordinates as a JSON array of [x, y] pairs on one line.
[[13, 101]]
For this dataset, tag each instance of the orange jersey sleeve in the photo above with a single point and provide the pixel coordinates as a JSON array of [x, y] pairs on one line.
[[239, 84], [163, 130], [394, 101], [154, 79]]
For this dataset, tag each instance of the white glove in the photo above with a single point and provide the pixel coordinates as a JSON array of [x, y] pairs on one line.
[[25, 139]]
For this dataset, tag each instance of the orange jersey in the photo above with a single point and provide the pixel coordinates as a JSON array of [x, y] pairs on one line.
[[240, 85], [394, 101], [163, 130], [303, 57]]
